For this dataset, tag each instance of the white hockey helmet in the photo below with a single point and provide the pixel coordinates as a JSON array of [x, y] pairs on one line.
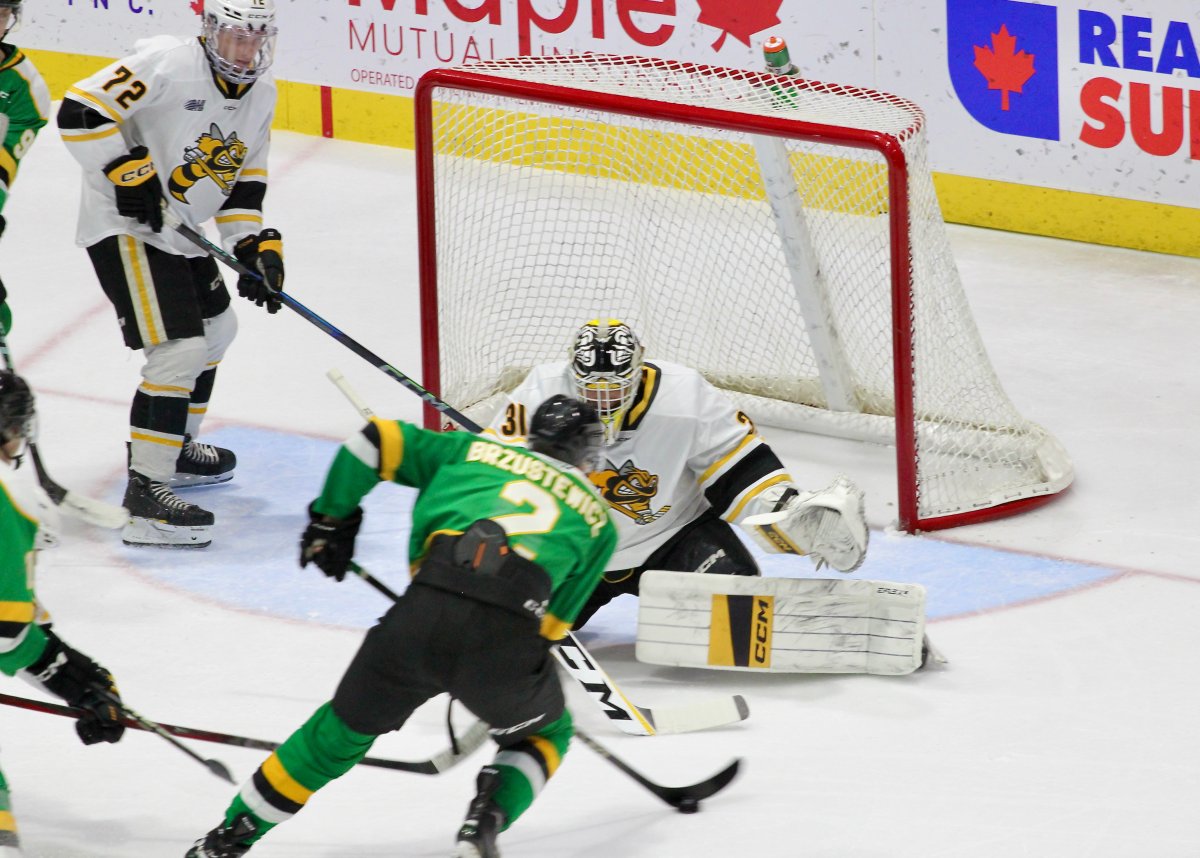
[[239, 38], [12, 10], [606, 363]]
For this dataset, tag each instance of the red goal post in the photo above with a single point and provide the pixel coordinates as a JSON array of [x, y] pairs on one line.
[[780, 235]]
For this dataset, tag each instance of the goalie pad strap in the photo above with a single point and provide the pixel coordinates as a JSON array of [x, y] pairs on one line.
[[780, 625]]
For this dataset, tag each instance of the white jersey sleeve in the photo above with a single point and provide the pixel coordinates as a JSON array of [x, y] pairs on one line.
[[208, 140]]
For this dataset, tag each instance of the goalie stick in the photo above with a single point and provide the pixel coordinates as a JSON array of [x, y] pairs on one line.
[[87, 509], [467, 743], [579, 664]]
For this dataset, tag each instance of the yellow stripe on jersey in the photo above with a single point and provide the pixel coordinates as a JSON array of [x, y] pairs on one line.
[[287, 786], [721, 462], [649, 387], [391, 447], [87, 96], [16, 612], [71, 137], [234, 218], [7, 821], [8, 163], [736, 512], [253, 174], [549, 753], [554, 629]]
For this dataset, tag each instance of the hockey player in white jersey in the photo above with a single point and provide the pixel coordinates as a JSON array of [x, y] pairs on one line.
[[680, 463], [182, 124]]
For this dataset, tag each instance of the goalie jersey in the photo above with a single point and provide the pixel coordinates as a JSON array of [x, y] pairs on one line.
[[208, 140], [682, 449]]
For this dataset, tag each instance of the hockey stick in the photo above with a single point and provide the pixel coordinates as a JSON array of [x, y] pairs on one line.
[[439, 762], [215, 766], [291, 303], [685, 799], [84, 508], [575, 659], [629, 717]]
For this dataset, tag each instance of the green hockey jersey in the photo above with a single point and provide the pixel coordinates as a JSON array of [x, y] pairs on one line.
[[21, 638], [550, 511], [24, 109]]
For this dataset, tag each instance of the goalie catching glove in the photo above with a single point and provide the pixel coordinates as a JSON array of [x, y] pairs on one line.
[[262, 253], [829, 526], [329, 542], [71, 675], [138, 188]]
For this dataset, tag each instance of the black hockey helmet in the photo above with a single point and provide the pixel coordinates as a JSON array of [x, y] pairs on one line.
[[16, 407], [567, 429]]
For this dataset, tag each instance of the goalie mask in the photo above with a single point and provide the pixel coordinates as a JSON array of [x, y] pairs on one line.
[[606, 361], [566, 429], [239, 38], [10, 16], [16, 412]]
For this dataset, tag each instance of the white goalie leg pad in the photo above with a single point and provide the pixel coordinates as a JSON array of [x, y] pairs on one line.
[[780, 625], [830, 526]]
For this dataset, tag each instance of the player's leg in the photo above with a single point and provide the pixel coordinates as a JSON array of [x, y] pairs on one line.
[[506, 677], [10, 843], [707, 544], [155, 299], [205, 464], [385, 682]]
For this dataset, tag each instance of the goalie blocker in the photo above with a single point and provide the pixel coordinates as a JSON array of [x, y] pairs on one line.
[[780, 625]]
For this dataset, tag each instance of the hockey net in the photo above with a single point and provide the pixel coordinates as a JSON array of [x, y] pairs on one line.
[[772, 232]]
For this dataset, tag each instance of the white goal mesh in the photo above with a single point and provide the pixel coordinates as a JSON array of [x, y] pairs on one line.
[[771, 232]]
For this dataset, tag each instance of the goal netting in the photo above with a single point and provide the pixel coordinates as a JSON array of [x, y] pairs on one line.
[[780, 235]]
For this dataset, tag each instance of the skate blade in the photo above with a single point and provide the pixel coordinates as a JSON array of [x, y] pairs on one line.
[[191, 481], [144, 532]]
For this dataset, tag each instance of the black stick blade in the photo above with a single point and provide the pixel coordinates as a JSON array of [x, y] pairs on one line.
[[692, 795], [220, 770]]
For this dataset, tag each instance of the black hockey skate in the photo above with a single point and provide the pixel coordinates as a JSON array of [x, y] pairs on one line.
[[477, 837], [158, 517], [226, 841], [202, 465]]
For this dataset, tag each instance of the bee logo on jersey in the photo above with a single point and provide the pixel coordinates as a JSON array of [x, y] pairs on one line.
[[214, 156], [629, 490]]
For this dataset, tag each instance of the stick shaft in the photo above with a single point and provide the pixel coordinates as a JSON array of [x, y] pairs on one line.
[[349, 342]]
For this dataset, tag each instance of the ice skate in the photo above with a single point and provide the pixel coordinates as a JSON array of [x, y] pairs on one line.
[[477, 836], [158, 517], [202, 465], [225, 841]]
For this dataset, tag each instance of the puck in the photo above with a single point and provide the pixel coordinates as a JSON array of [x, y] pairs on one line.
[[688, 805]]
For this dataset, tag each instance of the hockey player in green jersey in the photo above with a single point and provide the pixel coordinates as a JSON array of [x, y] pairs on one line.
[[24, 109], [507, 545], [28, 645]]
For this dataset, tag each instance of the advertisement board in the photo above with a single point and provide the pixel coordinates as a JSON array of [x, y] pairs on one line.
[[1095, 97]]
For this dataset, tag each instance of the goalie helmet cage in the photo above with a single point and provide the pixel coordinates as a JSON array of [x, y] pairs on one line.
[[780, 235]]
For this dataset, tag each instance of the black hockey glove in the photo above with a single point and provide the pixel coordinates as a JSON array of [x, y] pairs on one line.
[[329, 542], [139, 191], [83, 684], [262, 253]]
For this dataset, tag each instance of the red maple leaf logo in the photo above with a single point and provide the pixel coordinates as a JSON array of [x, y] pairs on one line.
[[1004, 69], [739, 18], [197, 6]]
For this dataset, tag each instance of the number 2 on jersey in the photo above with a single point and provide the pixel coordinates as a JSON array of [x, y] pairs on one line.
[[541, 520]]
